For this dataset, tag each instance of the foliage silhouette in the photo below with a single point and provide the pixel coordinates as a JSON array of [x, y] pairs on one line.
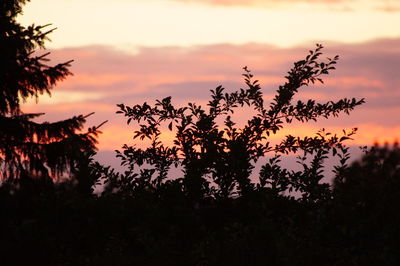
[[218, 160], [29, 149]]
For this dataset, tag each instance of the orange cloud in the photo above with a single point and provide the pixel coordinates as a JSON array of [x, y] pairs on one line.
[[114, 136], [371, 133]]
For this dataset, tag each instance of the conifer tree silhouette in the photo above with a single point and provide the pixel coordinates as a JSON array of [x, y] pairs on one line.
[[27, 148]]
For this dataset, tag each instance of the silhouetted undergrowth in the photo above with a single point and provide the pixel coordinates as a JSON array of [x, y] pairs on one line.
[[357, 226]]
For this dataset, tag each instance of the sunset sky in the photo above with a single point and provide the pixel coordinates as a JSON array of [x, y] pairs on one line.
[[131, 51]]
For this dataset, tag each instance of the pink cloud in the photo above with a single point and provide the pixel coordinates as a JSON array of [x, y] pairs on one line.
[[365, 70]]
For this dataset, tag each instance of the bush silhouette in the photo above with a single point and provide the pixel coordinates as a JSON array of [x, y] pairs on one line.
[[218, 159]]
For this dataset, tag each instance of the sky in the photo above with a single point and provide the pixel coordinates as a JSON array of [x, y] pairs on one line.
[[132, 51]]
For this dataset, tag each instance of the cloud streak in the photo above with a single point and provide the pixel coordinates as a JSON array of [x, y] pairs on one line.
[[262, 2], [342, 5]]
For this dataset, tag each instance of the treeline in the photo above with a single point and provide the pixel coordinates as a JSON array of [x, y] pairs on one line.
[[214, 213]]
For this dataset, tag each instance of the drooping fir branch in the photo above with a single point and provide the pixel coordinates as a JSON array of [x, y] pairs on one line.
[[30, 78], [20, 127], [53, 158]]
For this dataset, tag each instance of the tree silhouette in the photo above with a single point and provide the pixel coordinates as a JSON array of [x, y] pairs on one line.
[[27, 148], [218, 160], [365, 207], [373, 180]]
